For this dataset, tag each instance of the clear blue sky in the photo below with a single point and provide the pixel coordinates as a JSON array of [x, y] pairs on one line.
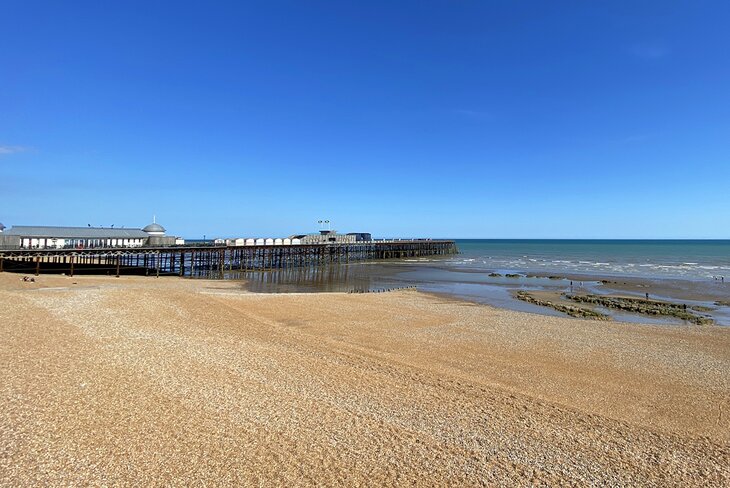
[[446, 119]]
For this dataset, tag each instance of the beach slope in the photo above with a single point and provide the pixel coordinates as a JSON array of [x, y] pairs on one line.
[[168, 381]]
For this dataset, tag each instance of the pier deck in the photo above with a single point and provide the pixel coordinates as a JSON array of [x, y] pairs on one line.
[[212, 261]]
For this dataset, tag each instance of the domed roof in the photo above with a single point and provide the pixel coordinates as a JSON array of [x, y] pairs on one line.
[[154, 227]]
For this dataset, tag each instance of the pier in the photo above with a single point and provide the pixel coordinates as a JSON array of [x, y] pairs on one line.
[[212, 261]]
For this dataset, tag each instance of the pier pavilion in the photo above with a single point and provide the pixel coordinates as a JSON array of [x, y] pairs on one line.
[[53, 237]]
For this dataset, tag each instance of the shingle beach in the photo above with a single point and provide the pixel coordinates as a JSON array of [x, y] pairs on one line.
[[148, 382]]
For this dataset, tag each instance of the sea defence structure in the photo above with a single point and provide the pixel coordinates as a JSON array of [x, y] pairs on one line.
[[212, 261]]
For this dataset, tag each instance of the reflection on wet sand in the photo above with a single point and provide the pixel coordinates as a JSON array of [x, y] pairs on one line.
[[487, 287]]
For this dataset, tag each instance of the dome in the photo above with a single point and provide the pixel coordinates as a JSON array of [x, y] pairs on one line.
[[154, 228]]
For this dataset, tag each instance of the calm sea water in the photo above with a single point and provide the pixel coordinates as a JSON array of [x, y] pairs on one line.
[[680, 259]]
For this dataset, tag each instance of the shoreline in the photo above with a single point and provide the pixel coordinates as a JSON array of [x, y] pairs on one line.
[[497, 289], [712, 297], [688, 289], [681, 288]]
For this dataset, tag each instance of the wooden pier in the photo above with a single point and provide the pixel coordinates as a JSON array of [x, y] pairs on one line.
[[212, 261]]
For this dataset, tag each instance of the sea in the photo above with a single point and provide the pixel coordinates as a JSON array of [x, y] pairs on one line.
[[695, 271], [677, 259]]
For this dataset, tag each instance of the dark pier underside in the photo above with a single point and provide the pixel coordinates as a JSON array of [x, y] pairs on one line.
[[210, 261]]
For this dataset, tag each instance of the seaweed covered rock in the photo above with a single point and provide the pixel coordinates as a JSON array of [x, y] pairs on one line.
[[643, 306], [568, 309]]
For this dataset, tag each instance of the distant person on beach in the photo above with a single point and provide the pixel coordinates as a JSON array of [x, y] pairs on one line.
[[647, 295]]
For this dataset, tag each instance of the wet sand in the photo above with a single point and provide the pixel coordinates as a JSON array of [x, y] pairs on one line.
[[694, 290], [492, 288], [170, 381]]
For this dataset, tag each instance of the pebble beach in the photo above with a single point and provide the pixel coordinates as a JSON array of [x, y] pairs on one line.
[[149, 382]]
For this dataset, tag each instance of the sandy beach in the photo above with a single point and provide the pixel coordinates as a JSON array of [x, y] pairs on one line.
[[144, 381]]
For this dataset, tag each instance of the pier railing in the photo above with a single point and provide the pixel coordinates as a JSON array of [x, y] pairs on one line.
[[213, 261]]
